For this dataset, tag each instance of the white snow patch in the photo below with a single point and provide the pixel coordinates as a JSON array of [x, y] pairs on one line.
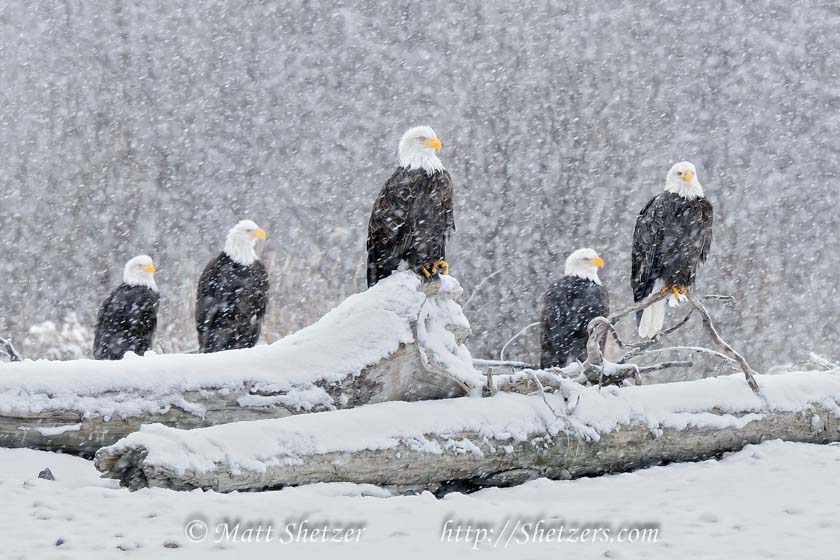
[[698, 513], [56, 430], [438, 344]]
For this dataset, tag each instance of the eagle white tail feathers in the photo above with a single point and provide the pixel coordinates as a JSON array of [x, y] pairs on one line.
[[653, 317]]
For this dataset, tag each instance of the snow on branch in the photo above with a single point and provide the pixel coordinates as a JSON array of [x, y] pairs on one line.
[[596, 367], [815, 359], [7, 348]]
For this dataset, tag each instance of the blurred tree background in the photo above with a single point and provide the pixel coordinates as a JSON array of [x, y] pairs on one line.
[[152, 127]]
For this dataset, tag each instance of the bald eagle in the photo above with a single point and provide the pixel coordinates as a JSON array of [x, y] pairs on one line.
[[128, 318], [232, 293], [412, 217], [673, 236], [570, 304]]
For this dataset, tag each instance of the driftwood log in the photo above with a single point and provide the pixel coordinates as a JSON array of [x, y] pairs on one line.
[[470, 442], [401, 340]]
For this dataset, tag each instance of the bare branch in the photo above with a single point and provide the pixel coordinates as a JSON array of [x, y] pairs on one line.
[[727, 349], [6, 347], [820, 362], [717, 296], [523, 381], [480, 284], [697, 349], [616, 374], [610, 328], [665, 365], [638, 306], [489, 388], [498, 363], [517, 335], [643, 345], [599, 326]]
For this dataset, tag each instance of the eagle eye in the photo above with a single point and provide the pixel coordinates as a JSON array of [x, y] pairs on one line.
[[422, 138]]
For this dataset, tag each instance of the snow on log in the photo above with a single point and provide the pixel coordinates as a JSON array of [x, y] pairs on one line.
[[399, 340], [502, 440]]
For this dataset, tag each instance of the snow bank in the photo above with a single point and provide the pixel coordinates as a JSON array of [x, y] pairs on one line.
[[295, 372], [439, 427], [718, 509]]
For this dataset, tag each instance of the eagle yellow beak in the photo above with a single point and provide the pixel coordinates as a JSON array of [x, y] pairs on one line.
[[598, 261], [434, 143], [688, 176], [149, 268], [259, 233]]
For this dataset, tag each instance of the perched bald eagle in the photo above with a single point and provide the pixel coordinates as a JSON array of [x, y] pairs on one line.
[[570, 303], [232, 293], [412, 217], [673, 236], [128, 318]]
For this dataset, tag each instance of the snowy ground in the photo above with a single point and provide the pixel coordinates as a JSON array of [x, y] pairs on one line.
[[776, 500]]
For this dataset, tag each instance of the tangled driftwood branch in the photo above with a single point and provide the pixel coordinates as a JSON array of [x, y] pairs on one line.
[[7, 348], [597, 369], [480, 285], [522, 331], [818, 361], [727, 349]]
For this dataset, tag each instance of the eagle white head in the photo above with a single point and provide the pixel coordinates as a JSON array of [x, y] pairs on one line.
[[417, 150], [584, 263], [682, 180], [140, 271], [241, 242]]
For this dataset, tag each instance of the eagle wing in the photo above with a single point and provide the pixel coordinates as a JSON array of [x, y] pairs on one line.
[[206, 299], [647, 248], [388, 235], [445, 205], [569, 305], [102, 335], [556, 327], [707, 218], [411, 219], [147, 310], [260, 290], [432, 218], [391, 212], [126, 321]]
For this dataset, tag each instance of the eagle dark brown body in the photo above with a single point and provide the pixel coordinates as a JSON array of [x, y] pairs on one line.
[[230, 304], [672, 237], [411, 221]]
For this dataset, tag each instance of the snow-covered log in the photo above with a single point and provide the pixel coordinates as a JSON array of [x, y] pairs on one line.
[[502, 440], [400, 340]]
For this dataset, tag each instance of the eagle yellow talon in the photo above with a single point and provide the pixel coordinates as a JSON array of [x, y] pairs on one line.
[[676, 292], [441, 265], [425, 272]]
